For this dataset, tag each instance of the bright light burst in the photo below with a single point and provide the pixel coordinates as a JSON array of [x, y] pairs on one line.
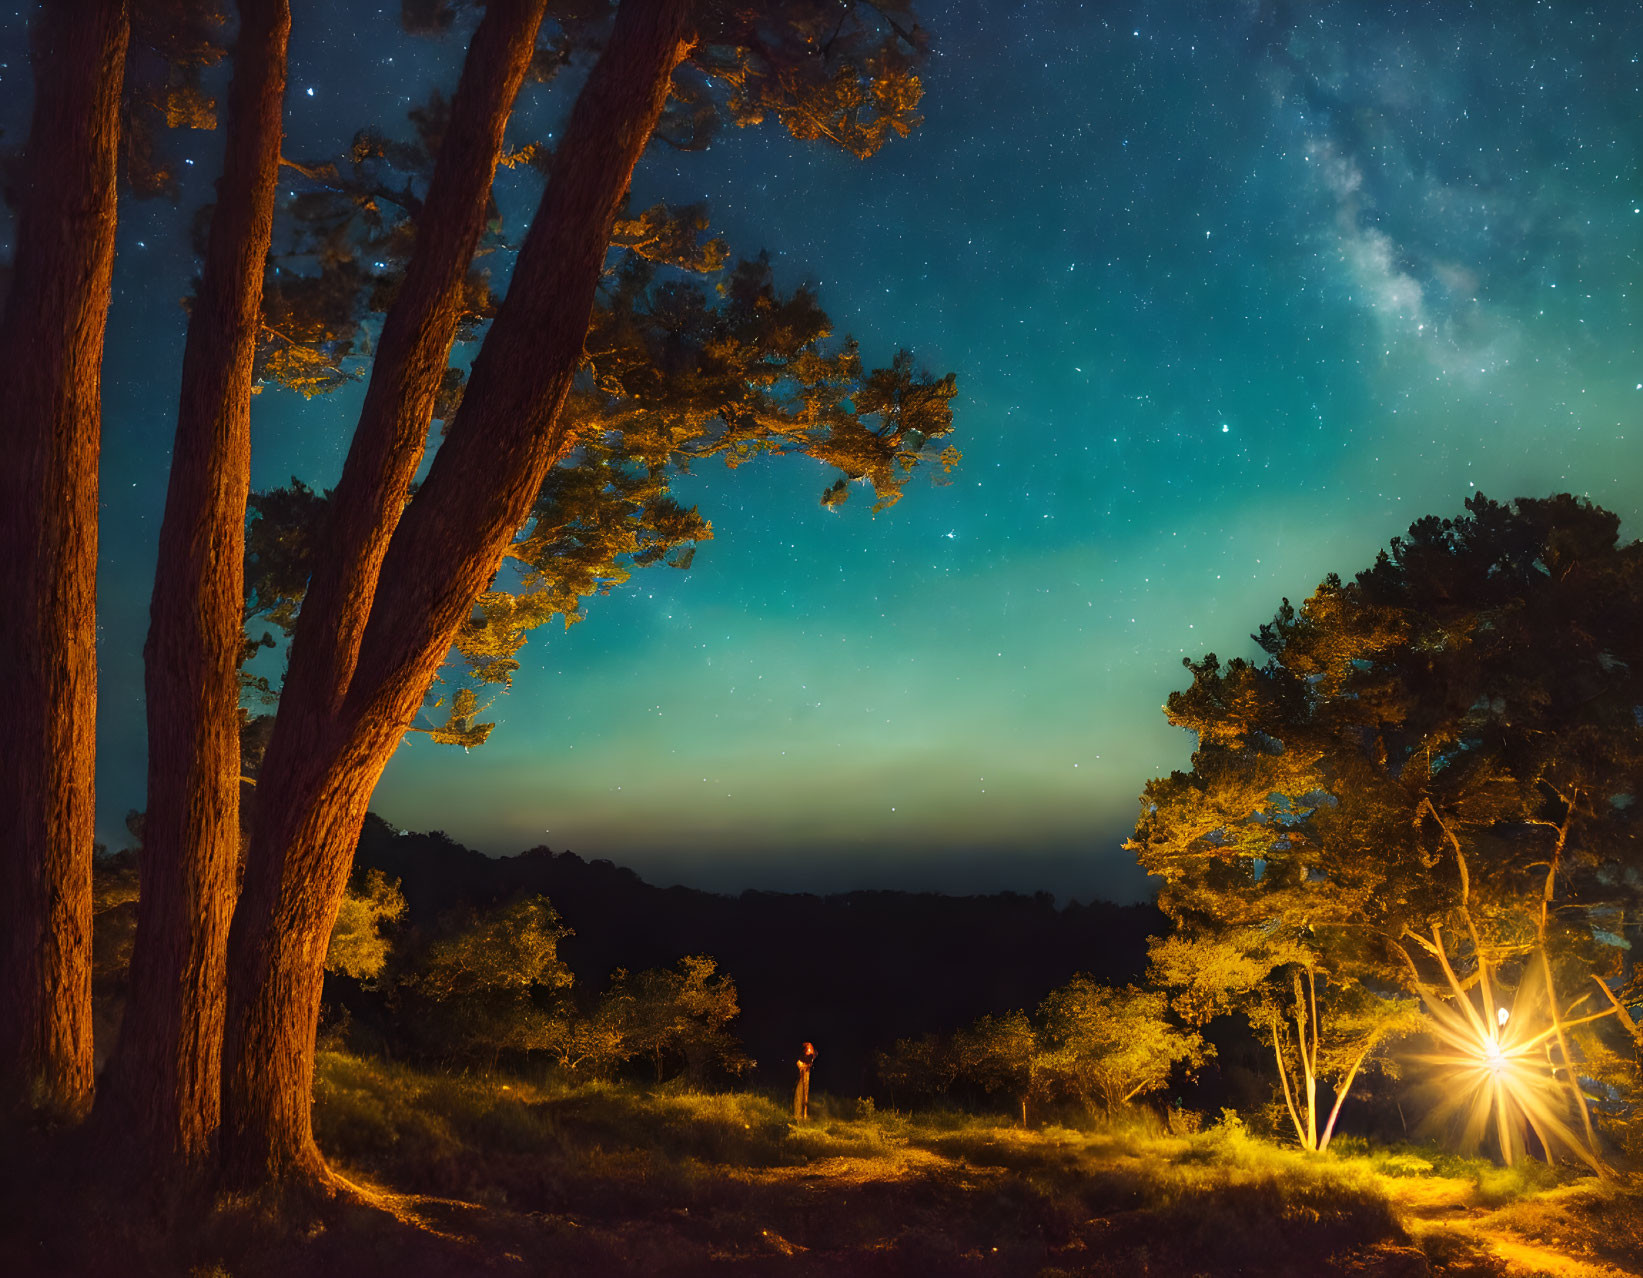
[[1497, 1069]]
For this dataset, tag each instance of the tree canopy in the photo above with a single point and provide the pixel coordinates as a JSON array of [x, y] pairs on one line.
[[1094, 1046], [1440, 753], [690, 357]]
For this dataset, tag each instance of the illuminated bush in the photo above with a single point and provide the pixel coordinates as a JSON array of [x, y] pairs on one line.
[[1092, 1045], [358, 946]]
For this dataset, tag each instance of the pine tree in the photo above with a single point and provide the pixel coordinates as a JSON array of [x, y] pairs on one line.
[[393, 582], [1441, 753], [393, 577]]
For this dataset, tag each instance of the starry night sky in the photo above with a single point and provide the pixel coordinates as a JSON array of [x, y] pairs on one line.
[[1234, 292]]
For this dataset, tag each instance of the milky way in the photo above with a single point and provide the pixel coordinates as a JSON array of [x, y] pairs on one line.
[[1234, 292]]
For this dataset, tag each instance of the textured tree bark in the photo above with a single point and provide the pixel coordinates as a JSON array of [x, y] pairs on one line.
[[161, 1090], [51, 353], [374, 651], [382, 460]]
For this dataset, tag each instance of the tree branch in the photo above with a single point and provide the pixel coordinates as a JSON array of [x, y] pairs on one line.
[[1283, 1077]]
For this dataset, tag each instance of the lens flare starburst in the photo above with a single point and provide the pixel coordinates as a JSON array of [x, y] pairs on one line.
[[1496, 1070]]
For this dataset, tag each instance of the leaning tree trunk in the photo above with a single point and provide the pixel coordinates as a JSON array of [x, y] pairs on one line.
[[51, 344], [331, 741], [162, 1088], [410, 363], [382, 460]]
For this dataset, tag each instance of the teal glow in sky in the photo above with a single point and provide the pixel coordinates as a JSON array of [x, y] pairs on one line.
[[1234, 293]]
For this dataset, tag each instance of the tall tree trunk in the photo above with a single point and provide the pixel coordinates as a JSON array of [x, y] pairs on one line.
[[162, 1087], [51, 344], [334, 736], [382, 460]]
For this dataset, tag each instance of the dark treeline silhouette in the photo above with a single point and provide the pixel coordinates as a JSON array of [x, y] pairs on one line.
[[851, 972]]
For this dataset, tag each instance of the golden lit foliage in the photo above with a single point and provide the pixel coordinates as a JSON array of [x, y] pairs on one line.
[[510, 950], [459, 727], [672, 237], [533, 154], [676, 1017], [1106, 1046], [310, 331], [825, 71], [1092, 1045], [187, 107], [1211, 973], [358, 946], [1320, 1020], [676, 375], [490, 983], [593, 1045], [1000, 1055], [839, 71], [1452, 735], [173, 44], [689, 357], [308, 369]]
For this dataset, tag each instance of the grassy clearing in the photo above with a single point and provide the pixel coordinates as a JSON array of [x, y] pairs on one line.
[[1494, 1185], [1172, 1202], [730, 1180], [515, 1176]]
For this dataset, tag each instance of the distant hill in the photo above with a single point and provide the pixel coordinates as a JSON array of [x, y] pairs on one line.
[[851, 971]]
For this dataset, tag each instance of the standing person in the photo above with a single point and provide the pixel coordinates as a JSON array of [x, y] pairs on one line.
[[801, 1093]]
